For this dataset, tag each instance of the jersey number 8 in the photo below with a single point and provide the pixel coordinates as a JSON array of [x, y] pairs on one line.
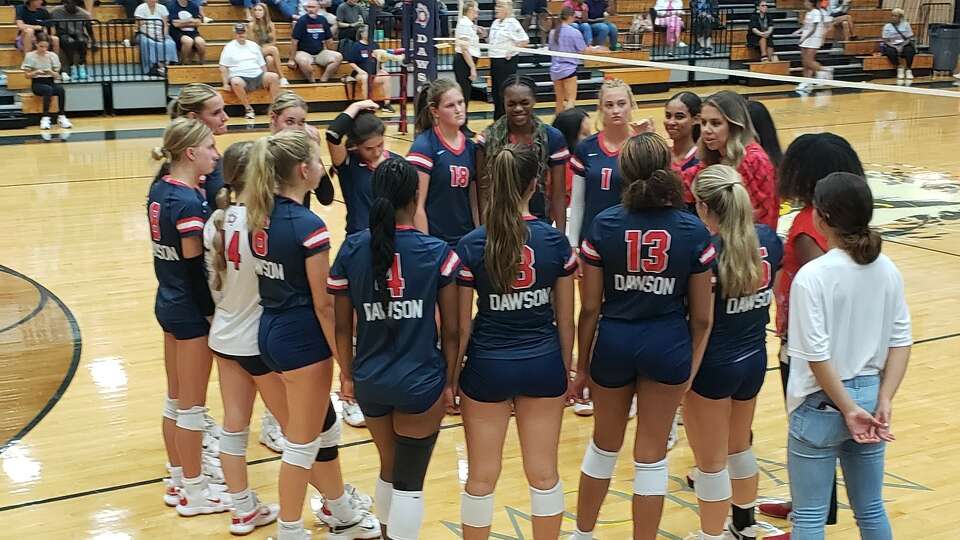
[[526, 273], [154, 214], [658, 243]]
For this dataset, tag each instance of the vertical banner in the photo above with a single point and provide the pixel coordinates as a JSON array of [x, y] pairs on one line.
[[424, 18]]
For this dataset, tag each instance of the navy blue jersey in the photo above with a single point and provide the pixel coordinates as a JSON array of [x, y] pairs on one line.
[[557, 155], [519, 324], [739, 324], [396, 340], [281, 249], [601, 174], [212, 183], [647, 259], [176, 211], [311, 33], [451, 171], [178, 12], [361, 54], [354, 176]]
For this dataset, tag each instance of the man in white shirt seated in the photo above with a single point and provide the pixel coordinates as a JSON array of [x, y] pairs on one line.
[[244, 69]]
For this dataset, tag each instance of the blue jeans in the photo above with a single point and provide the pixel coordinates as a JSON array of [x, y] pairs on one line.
[[287, 8], [153, 52], [584, 29], [245, 3], [818, 437], [603, 29]]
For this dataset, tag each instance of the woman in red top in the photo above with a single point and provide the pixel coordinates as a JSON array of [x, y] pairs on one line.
[[727, 137], [808, 159]]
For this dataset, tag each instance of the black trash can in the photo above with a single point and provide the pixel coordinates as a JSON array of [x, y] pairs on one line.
[[945, 46]]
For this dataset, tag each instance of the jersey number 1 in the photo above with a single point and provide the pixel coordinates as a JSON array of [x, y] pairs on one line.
[[606, 174], [395, 281], [658, 243]]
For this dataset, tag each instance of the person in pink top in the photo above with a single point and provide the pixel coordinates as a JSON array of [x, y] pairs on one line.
[[669, 15], [580, 19]]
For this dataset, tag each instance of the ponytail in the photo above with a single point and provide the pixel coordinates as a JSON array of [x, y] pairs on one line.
[[845, 203], [739, 262], [512, 171], [234, 167], [429, 98], [394, 184], [648, 180], [180, 135], [261, 185]]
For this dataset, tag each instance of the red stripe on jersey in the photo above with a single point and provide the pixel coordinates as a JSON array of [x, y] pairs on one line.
[[337, 282], [465, 274], [708, 255], [450, 264], [577, 166], [587, 250], [562, 154], [190, 224], [317, 238], [421, 160]]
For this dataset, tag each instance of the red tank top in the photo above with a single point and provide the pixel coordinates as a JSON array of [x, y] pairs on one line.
[[802, 224]]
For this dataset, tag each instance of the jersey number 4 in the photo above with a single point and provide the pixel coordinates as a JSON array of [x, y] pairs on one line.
[[395, 281], [459, 176], [233, 250], [657, 243]]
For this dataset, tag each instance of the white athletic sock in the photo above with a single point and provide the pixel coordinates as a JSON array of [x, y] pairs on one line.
[[406, 515], [176, 475], [580, 535], [243, 501], [194, 486], [342, 508], [382, 497], [290, 526]]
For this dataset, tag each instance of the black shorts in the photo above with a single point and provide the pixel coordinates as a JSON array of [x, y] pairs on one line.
[[254, 365], [493, 380]]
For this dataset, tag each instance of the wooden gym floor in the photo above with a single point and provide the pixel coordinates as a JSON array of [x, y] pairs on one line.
[[81, 381]]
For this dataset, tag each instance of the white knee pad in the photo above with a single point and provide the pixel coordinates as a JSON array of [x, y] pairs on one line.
[[650, 479], [234, 444], [546, 502], [301, 455], [331, 437], [476, 511], [381, 499], [712, 486], [742, 464], [192, 418], [598, 463], [170, 408]]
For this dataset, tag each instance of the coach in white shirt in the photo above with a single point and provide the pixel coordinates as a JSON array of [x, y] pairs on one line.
[[849, 343], [506, 33], [468, 50], [244, 69]]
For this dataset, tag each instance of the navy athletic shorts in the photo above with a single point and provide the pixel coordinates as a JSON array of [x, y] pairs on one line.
[[254, 365], [292, 339], [183, 321], [376, 402], [493, 380], [655, 349], [740, 380]]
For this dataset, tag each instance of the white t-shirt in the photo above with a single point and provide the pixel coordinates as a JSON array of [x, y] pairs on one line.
[[236, 321], [243, 60], [152, 29], [468, 33], [504, 35], [892, 37], [846, 314], [814, 26]]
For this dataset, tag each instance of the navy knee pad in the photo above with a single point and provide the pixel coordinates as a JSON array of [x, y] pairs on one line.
[[412, 457]]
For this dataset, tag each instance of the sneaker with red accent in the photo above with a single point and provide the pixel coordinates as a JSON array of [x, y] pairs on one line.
[[262, 514], [781, 536], [204, 502], [171, 494], [776, 509]]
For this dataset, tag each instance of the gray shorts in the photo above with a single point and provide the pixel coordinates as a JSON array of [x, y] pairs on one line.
[[253, 83]]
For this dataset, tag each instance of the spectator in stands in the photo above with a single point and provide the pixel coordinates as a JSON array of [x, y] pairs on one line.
[[244, 69], [364, 57], [247, 6], [349, 18], [157, 49], [325, 5], [42, 67], [703, 14], [185, 18], [264, 33], [31, 18], [534, 16], [842, 21], [467, 35], [289, 9], [311, 42], [597, 13], [75, 37], [505, 34], [563, 71], [760, 33], [899, 42], [129, 7], [579, 21], [670, 17]]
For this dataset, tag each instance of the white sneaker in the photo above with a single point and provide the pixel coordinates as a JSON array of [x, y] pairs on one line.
[[206, 502], [63, 122], [270, 434], [674, 437], [803, 89], [352, 414], [45, 123], [262, 514], [909, 74], [681, 44], [583, 409], [207, 20], [364, 528], [633, 407], [171, 494], [361, 502], [900, 73], [284, 81], [65, 77]]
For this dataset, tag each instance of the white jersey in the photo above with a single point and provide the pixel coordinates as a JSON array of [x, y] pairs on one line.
[[236, 321]]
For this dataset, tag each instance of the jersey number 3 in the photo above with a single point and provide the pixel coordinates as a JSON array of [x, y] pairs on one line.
[[658, 243], [459, 176]]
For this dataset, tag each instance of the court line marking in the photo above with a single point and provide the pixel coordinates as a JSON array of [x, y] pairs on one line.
[[40, 305], [71, 371], [614, 61], [925, 248], [140, 483]]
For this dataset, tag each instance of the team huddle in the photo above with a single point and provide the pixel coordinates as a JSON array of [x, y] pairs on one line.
[[454, 291]]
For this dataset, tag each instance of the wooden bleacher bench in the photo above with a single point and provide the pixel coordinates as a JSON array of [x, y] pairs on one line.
[[316, 92], [615, 55], [781, 67], [861, 47], [210, 73], [739, 53], [882, 63], [34, 104], [638, 75]]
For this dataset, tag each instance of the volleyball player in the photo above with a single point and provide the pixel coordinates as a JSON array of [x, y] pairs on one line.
[[290, 246], [720, 405], [681, 120], [648, 263], [392, 278], [176, 212], [289, 111], [521, 126], [446, 164], [575, 125], [355, 141], [233, 339], [202, 102], [520, 345]]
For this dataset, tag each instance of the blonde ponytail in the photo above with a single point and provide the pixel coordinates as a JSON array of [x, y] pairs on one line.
[[513, 168], [270, 165], [739, 263], [234, 167]]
